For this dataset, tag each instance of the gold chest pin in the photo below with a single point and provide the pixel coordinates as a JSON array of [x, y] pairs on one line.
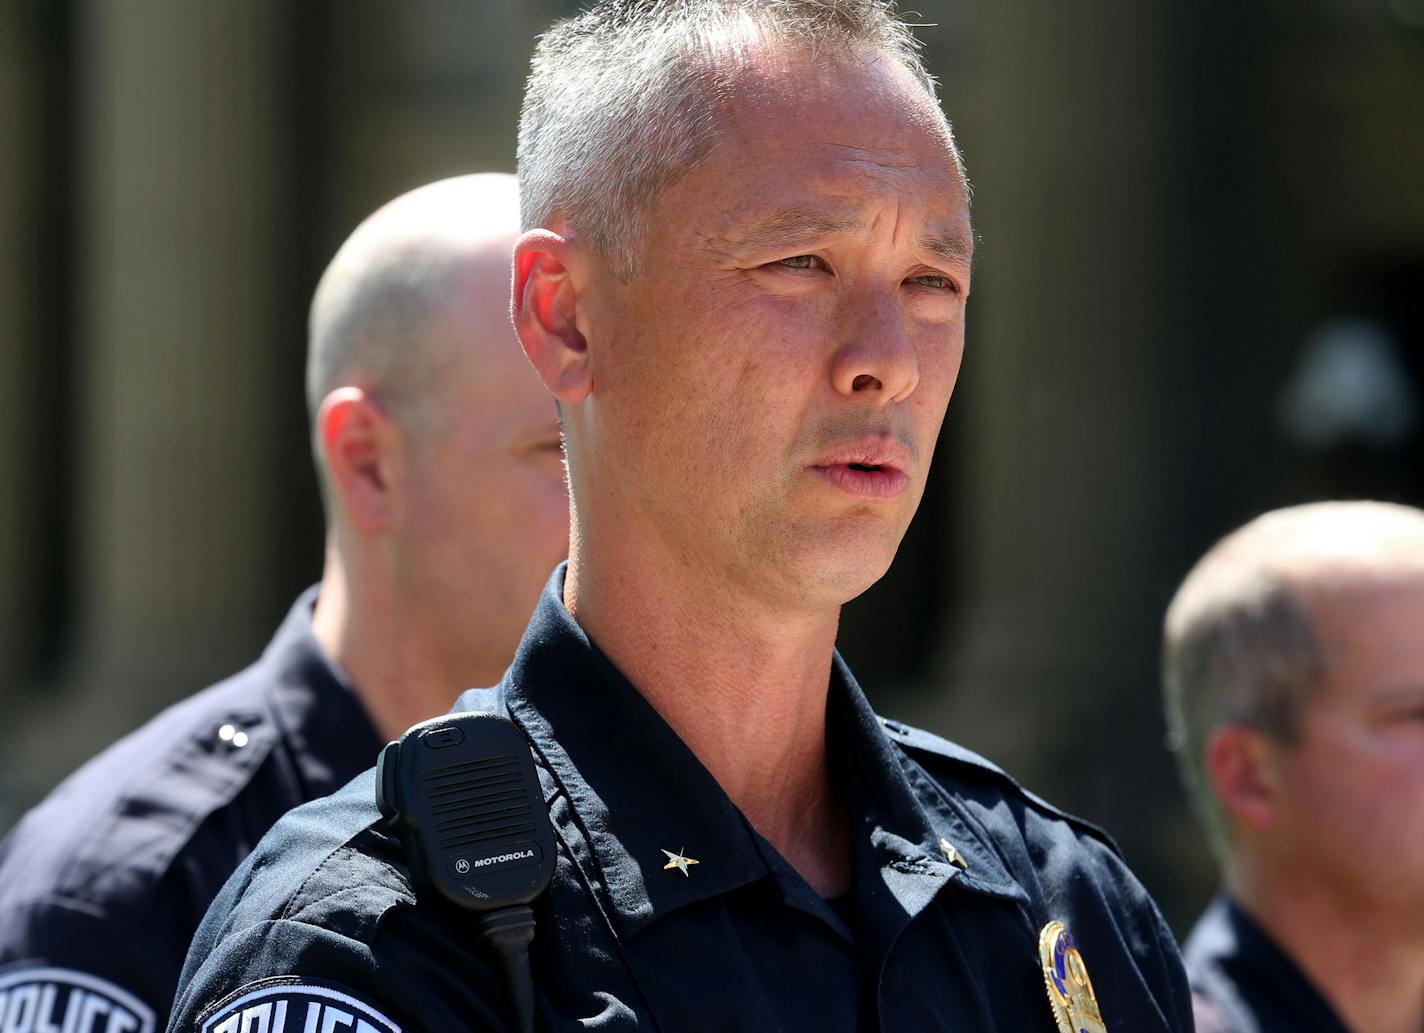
[[678, 862], [1070, 991]]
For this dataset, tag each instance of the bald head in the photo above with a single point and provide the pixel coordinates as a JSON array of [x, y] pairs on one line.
[[1244, 640], [387, 315], [436, 444]]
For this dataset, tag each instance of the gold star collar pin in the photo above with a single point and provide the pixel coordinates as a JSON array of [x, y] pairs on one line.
[[952, 854], [678, 861]]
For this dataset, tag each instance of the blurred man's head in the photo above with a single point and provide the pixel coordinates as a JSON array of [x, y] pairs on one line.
[[1294, 673], [745, 283], [436, 445]]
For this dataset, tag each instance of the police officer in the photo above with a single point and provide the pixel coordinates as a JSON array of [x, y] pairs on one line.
[[744, 281], [1294, 674], [439, 461]]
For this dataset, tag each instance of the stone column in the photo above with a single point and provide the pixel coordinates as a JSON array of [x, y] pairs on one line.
[[175, 522], [27, 432], [1054, 437], [419, 91], [22, 436]]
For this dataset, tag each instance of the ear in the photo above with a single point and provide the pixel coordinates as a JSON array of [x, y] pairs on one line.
[[1240, 766], [545, 311], [360, 446]]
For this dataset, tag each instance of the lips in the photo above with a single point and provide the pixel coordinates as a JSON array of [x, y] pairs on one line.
[[866, 468]]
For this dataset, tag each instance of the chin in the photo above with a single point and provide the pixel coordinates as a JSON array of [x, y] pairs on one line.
[[819, 563], [838, 570]]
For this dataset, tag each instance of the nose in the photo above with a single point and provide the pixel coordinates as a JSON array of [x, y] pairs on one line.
[[876, 359]]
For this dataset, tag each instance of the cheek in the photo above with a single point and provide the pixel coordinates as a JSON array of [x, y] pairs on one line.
[[723, 390], [940, 354], [1358, 780]]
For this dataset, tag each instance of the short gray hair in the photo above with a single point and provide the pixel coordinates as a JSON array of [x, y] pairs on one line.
[[1238, 643], [624, 100]]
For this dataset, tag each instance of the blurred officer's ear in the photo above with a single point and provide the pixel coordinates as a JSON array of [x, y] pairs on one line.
[[1240, 763], [545, 307], [361, 448]]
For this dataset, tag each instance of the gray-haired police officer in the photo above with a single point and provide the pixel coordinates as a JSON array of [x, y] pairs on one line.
[[744, 281]]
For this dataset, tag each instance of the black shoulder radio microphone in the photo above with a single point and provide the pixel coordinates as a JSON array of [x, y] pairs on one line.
[[462, 794]]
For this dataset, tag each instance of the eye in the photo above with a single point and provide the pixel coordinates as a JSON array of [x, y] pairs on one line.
[[936, 281], [800, 262]]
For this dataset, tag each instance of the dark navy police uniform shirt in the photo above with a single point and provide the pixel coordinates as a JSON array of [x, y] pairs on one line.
[[1243, 983], [956, 871], [103, 883]]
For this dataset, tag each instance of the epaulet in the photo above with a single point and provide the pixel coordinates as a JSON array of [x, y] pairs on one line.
[[917, 740], [355, 871], [110, 832]]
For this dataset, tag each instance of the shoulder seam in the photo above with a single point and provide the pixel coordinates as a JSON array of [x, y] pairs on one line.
[[154, 773], [196, 820], [290, 908], [917, 739]]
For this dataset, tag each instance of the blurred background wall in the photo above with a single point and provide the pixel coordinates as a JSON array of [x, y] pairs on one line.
[[1199, 294]]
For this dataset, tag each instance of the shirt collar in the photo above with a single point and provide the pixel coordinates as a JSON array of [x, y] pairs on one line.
[[910, 836], [330, 735], [640, 793], [636, 789], [1237, 964]]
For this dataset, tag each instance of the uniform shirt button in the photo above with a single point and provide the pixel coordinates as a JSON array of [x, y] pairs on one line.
[[235, 737]]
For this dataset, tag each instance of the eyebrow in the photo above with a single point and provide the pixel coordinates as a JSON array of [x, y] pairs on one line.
[[952, 247], [790, 225]]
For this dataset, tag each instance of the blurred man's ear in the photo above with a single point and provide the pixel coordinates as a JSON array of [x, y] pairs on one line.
[[545, 310], [360, 447], [1239, 765]]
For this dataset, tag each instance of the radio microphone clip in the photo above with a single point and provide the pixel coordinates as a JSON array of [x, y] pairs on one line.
[[462, 794]]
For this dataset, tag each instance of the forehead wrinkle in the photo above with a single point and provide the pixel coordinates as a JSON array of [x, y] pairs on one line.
[[788, 224], [864, 157]]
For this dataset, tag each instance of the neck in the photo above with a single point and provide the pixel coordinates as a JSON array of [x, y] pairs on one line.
[[383, 646], [742, 684], [1367, 961]]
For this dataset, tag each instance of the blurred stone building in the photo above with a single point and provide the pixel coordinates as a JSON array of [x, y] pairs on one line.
[[1197, 295]]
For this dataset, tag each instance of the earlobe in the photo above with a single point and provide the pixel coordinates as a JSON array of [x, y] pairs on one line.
[[358, 441], [1238, 765], [545, 310]]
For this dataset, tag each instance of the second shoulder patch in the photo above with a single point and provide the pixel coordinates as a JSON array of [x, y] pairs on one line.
[[290, 1005], [41, 997]]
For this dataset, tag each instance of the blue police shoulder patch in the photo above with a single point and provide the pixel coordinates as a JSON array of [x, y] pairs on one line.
[[289, 1004], [39, 998]]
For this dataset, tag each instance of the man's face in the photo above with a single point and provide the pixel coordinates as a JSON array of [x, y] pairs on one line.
[[1352, 788], [768, 388], [486, 511]]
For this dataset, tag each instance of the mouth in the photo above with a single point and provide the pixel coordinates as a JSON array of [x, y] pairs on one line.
[[868, 468]]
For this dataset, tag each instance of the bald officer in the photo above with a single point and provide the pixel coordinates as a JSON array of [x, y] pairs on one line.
[[439, 461]]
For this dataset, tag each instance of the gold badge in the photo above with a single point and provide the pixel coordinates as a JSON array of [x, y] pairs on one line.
[[676, 860], [1070, 991]]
